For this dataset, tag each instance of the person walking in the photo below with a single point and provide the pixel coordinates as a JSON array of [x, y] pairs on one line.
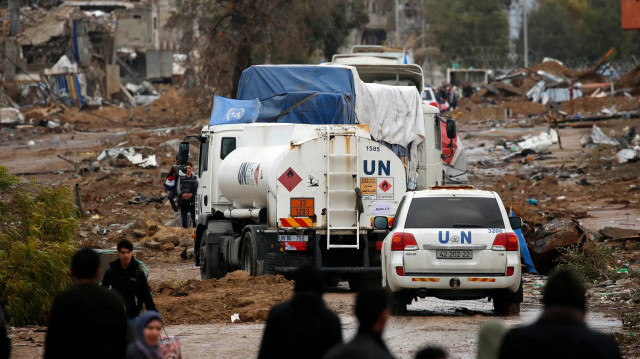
[[5, 342], [187, 189], [86, 321], [148, 332], [126, 278], [311, 328], [560, 331], [170, 188], [372, 313]]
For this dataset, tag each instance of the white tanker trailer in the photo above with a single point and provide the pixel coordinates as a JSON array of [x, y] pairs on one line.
[[274, 196]]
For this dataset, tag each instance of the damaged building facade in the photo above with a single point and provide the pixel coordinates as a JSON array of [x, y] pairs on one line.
[[84, 51]]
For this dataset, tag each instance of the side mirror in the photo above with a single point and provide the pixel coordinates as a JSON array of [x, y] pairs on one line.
[[183, 153], [380, 222], [451, 129], [515, 222]]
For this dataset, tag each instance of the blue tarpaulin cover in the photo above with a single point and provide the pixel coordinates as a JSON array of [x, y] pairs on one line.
[[524, 250], [278, 88]]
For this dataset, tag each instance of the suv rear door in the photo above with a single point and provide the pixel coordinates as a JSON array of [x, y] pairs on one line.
[[455, 234]]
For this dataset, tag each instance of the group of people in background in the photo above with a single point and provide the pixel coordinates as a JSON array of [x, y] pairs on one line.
[[89, 320], [449, 96]]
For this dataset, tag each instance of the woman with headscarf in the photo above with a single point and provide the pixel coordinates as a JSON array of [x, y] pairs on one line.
[[148, 331]]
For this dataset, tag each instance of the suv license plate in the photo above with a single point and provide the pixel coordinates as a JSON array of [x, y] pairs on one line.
[[293, 238], [454, 254]]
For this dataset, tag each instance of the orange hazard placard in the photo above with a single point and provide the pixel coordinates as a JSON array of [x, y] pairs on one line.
[[302, 207]]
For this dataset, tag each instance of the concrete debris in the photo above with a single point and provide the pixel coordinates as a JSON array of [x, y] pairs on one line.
[[132, 154], [620, 233], [10, 117], [545, 243]]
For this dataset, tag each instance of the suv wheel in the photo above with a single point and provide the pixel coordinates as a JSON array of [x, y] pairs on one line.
[[398, 305], [502, 307]]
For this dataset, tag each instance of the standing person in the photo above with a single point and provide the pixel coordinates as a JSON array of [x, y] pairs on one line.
[[490, 338], [560, 332], [125, 276], [5, 343], [311, 328], [170, 188], [148, 331], [431, 353], [86, 321], [372, 313], [187, 188]]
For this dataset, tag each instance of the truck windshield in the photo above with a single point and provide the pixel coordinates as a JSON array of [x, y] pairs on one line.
[[454, 212]]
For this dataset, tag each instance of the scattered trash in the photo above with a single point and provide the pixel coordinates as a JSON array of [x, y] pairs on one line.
[[31, 143], [626, 155], [532, 201], [584, 182], [132, 154], [540, 143], [235, 318], [142, 199]]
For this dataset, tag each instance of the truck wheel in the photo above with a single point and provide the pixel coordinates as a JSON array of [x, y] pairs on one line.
[[205, 273], [248, 254]]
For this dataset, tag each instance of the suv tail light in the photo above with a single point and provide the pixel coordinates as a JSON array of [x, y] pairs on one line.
[[402, 241], [505, 241], [434, 104]]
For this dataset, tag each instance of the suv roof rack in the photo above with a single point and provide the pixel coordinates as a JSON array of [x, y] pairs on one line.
[[453, 187]]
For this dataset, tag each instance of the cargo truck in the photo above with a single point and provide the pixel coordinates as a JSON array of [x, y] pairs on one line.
[[276, 194]]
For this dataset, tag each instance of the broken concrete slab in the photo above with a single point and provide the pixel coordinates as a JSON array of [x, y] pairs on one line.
[[619, 233], [549, 238], [10, 117]]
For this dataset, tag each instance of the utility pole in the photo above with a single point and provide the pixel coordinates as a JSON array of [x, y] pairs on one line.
[[397, 24], [526, 35]]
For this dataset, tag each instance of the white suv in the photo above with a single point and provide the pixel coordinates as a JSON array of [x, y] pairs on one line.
[[452, 243]]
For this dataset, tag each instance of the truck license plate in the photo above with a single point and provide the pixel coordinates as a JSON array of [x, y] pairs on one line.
[[293, 238], [454, 254]]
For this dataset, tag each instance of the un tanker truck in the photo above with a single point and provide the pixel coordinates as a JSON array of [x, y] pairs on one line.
[[295, 170]]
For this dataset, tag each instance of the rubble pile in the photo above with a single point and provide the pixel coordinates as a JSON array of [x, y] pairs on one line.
[[524, 96]]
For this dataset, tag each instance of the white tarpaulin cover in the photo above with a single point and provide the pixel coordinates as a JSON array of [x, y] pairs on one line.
[[130, 154], [393, 114]]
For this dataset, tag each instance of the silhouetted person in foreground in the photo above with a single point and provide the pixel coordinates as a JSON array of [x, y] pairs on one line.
[[302, 327], [372, 313], [431, 353], [86, 320], [490, 338], [5, 343], [560, 332]]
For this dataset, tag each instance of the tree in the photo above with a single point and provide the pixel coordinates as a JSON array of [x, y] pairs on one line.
[[471, 33], [578, 32], [231, 35], [37, 226]]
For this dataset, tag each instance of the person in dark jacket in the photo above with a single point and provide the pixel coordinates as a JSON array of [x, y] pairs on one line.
[[187, 190], [5, 343], [86, 321], [125, 276], [148, 332], [372, 313], [303, 327], [560, 332]]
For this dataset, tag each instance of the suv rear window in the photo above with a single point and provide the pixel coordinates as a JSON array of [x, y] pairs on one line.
[[454, 212]]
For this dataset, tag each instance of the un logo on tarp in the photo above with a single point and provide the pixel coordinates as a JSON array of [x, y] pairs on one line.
[[235, 114]]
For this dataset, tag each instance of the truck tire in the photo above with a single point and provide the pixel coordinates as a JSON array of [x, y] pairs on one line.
[[205, 271], [248, 257]]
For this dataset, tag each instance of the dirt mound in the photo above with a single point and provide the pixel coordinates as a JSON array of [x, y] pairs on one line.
[[555, 67], [215, 301], [596, 104], [631, 80]]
